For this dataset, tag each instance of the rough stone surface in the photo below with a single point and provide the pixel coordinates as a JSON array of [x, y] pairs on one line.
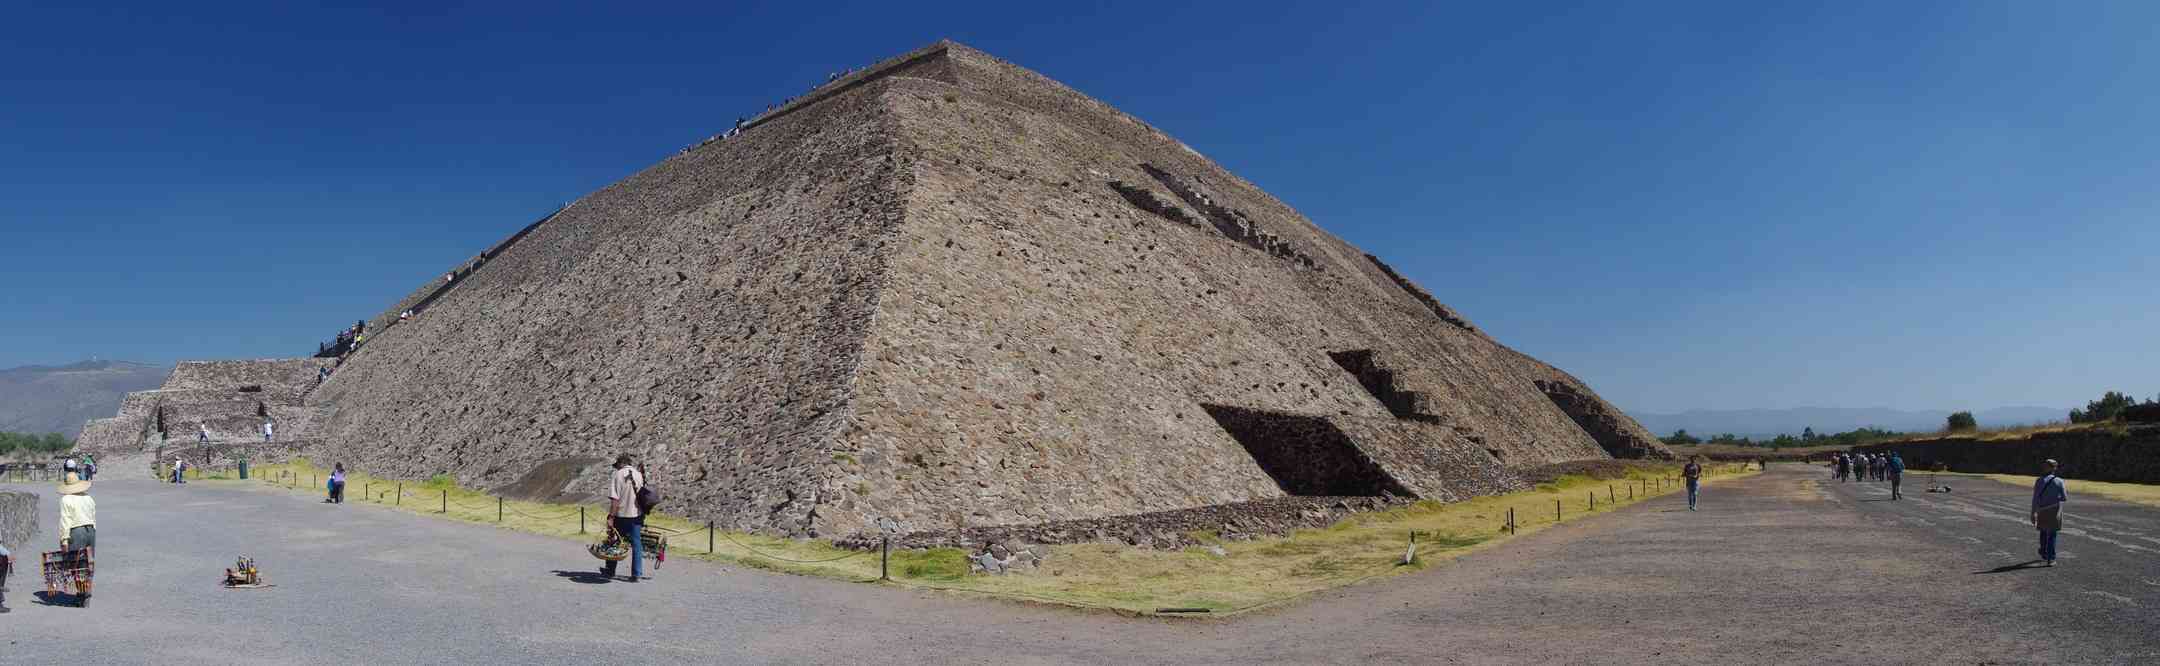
[[954, 293], [18, 520], [230, 398]]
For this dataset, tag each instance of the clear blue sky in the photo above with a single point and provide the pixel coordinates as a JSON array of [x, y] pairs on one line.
[[1714, 205]]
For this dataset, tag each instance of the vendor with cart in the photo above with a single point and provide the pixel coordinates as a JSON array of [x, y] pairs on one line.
[[78, 515]]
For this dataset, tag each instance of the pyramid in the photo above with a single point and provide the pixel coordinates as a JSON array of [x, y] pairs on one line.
[[953, 293]]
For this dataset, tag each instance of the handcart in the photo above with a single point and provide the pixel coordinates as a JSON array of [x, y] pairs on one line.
[[69, 572]]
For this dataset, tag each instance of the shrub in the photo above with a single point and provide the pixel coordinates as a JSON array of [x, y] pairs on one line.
[[1961, 422]]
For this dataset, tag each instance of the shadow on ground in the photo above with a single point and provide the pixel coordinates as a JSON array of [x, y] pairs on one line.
[[586, 577], [2007, 568]]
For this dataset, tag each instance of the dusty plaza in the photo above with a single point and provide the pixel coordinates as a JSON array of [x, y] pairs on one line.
[[1596, 334], [1651, 582]]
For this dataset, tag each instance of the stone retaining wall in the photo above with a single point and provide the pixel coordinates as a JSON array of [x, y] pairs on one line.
[[18, 522], [2128, 455], [1163, 529]]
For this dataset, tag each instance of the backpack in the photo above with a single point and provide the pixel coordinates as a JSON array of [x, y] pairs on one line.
[[647, 498]]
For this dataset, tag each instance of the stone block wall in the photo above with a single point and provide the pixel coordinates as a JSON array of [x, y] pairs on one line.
[[232, 374], [18, 524], [2125, 455]]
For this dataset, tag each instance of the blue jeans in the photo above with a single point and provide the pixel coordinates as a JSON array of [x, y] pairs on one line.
[[629, 529], [1691, 491], [2047, 545]]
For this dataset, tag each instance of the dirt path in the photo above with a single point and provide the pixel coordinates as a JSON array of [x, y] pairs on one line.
[[1778, 567]]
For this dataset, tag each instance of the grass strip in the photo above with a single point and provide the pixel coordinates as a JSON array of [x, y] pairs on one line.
[[1249, 574], [2134, 493]]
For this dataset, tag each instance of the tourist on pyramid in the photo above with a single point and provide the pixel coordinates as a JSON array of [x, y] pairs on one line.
[[269, 430], [2048, 498]]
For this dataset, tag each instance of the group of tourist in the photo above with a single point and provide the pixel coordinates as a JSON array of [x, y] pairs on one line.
[[1871, 466], [347, 341], [2049, 491], [742, 123]]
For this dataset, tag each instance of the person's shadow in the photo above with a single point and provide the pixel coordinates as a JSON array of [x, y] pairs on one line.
[[588, 577], [2007, 568]]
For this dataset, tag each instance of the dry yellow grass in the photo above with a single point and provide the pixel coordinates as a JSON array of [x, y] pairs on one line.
[[2135, 493], [1250, 574]]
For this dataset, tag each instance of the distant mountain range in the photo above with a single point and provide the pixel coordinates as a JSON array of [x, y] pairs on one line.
[[1825, 420], [41, 399]]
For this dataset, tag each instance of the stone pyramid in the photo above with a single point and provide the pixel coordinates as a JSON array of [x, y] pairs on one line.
[[949, 291]]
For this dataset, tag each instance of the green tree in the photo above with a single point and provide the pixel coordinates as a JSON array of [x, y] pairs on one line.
[[2106, 408], [1807, 434], [1961, 422], [1681, 438]]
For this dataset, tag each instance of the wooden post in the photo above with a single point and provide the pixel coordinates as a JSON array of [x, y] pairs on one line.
[[708, 537], [1593, 500], [446, 501], [884, 564], [1609, 495], [400, 494], [1556, 511], [581, 520], [498, 509]]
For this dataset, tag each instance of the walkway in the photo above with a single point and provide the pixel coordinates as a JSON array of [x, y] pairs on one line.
[[1782, 567]]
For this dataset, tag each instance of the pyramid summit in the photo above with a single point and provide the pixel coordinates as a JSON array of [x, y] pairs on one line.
[[951, 292]]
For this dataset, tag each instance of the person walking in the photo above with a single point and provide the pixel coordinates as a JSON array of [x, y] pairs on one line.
[[1842, 466], [1895, 470], [269, 430], [1693, 472], [623, 516], [337, 484], [78, 519], [2048, 498]]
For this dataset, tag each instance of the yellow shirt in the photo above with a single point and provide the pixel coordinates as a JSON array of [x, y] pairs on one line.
[[77, 511]]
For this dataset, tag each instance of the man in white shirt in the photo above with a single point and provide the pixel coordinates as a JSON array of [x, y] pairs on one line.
[[269, 429], [623, 515]]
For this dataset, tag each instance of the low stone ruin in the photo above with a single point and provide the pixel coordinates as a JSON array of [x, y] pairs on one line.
[[18, 521]]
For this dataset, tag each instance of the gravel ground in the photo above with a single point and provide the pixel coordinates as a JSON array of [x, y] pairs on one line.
[[1778, 567]]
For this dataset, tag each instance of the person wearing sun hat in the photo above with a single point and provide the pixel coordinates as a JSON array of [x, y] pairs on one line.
[[78, 515], [2047, 502]]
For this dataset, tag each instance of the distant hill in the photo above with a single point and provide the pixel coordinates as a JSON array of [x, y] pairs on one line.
[[1773, 422], [40, 399]]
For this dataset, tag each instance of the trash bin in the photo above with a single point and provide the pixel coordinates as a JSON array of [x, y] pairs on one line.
[[243, 469]]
